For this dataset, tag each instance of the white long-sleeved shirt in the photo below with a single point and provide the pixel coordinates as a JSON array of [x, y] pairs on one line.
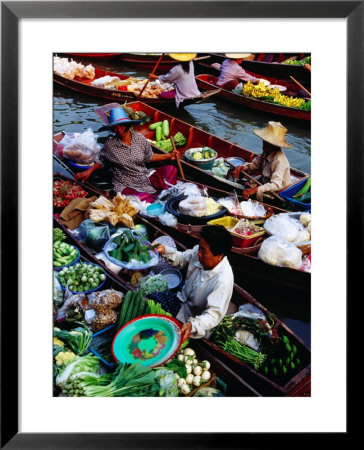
[[230, 70], [185, 83], [206, 294]]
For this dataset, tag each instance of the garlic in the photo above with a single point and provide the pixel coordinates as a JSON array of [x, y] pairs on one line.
[[206, 375]]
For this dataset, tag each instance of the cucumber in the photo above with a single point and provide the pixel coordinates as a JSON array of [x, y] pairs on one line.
[[165, 128], [136, 307], [154, 125], [158, 133], [141, 307], [124, 307]]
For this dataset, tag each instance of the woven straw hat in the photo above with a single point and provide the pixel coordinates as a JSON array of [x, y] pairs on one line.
[[238, 55], [183, 56], [274, 133]]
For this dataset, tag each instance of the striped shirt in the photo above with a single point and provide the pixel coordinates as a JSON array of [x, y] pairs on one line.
[[128, 163]]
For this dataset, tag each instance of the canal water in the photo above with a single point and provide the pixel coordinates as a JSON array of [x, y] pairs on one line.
[[74, 112]]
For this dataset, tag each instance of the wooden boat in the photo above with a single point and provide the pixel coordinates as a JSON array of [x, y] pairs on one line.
[[83, 86], [207, 82], [249, 270], [277, 70], [200, 138], [250, 380], [147, 61], [99, 56]]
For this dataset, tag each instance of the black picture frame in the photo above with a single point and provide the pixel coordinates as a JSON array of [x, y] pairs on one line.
[[11, 13]]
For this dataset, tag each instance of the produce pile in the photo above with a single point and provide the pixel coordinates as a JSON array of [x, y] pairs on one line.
[[65, 191], [81, 277], [71, 69], [263, 92], [298, 62], [204, 153], [136, 115], [163, 138], [246, 228], [63, 254], [128, 248], [257, 342]]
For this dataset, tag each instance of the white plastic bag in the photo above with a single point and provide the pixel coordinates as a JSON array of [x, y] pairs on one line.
[[252, 209], [193, 205], [81, 147], [284, 226], [168, 219], [278, 252]]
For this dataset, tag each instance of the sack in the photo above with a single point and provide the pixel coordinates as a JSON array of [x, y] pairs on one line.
[[95, 235]]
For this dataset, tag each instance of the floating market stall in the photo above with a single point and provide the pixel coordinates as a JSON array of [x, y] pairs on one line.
[[101, 315]]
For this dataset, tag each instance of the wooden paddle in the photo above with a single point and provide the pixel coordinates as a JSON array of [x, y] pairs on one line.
[[300, 85], [177, 159], [152, 73]]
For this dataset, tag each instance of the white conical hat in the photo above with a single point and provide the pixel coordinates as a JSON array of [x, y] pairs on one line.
[[183, 56], [238, 55]]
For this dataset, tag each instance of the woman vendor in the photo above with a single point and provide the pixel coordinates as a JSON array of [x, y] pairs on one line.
[[209, 281], [127, 153], [231, 72], [182, 75], [272, 163]]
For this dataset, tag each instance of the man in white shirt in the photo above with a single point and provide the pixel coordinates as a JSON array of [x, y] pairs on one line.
[[209, 281]]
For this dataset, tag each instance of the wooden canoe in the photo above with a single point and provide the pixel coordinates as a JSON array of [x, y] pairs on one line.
[[200, 138], [147, 61], [271, 69], [207, 82], [249, 270], [83, 86], [254, 382]]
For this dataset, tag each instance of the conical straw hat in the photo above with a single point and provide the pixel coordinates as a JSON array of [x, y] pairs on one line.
[[238, 55], [183, 56], [274, 133]]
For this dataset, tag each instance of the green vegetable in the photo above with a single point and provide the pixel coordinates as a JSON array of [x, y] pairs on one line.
[[78, 339], [88, 363], [158, 133], [284, 369], [304, 189], [178, 367], [292, 365], [154, 125], [58, 235], [242, 352], [285, 339], [275, 371], [165, 128], [298, 361]]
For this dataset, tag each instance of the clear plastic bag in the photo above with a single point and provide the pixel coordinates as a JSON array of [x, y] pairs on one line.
[[193, 205], [250, 311], [284, 226], [81, 148], [153, 283], [95, 235], [278, 252], [168, 219]]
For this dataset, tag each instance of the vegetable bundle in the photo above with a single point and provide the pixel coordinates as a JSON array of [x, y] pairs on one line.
[[65, 191], [128, 248], [167, 145], [77, 339], [82, 277], [133, 306]]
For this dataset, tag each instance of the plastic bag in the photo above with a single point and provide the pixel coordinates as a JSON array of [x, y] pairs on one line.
[[73, 308], [58, 296], [95, 235], [193, 205], [81, 147], [190, 189], [284, 226], [153, 283], [168, 219], [250, 311], [278, 252], [252, 209]]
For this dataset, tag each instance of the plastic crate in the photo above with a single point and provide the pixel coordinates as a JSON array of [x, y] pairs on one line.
[[287, 194], [102, 340], [239, 241]]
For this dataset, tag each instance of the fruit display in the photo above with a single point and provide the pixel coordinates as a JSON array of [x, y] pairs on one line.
[[204, 153], [65, 191], [263, 92], [297, 62], [163, 137]]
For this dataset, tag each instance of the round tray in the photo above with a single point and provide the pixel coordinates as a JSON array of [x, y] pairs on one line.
[[172, 207], [150, 340]]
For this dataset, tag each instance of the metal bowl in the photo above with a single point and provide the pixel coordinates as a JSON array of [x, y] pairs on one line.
[[173, 277], [172, 207]]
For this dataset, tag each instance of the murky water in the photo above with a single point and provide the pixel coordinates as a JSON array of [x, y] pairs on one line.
[[74, 112]]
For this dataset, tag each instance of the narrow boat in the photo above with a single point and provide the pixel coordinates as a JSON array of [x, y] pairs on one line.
[[207, 82], [271, 69], [249, 270], [147, 61], [99, 56], [197, 138], [254, 381], [83, 85]]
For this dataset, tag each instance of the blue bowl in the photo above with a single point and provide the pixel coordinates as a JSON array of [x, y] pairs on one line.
[[78, 166], [91, 290], [58, 269]]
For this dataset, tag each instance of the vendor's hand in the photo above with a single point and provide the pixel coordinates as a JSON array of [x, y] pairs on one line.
[[259, 195], [174, 154], [248, 192], [161, 249], [235, 173], [152, 77], [186, 331], [83, 176]]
